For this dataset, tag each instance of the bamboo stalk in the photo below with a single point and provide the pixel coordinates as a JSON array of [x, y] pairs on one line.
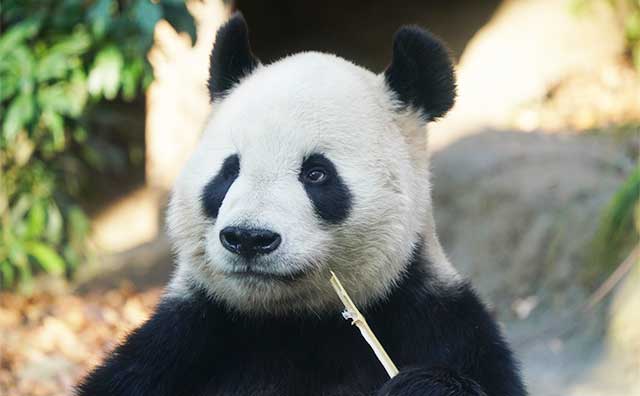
[[352, 313]]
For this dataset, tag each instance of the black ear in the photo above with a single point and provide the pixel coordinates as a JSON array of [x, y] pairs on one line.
[[421, 73], [231, 58]]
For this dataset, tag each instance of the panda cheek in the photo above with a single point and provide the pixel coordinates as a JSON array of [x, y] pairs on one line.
[[215, 191]]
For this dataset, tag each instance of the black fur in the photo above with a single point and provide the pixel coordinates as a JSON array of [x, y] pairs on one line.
[[215, 191], [231, 58], [432, 382], [331, 199], [421, 73], [444, 344]]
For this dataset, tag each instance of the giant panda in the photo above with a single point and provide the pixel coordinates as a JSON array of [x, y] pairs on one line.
[[308, 165]]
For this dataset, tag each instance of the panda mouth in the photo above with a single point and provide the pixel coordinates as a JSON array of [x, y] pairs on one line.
[[269, 276]]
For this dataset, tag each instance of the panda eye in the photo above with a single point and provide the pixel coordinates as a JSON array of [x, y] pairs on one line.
[[316, 175]]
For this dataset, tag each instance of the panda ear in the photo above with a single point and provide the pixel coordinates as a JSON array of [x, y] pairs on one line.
[[231, 58], [421, 72]]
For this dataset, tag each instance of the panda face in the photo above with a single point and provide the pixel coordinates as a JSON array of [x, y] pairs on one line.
[[307, 165], [301, 170]]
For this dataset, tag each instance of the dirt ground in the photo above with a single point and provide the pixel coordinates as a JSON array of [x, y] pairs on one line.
[[48, 341]]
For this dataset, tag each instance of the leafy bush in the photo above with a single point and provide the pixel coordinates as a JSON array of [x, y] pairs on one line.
[[619, 229], [628, 12], [59, 61], [632, 32]]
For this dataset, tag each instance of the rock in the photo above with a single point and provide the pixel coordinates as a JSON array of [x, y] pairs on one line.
[[517, 213], [524, 206]]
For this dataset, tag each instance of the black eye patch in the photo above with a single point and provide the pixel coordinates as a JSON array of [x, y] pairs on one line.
[[215, 191], [331, 198]]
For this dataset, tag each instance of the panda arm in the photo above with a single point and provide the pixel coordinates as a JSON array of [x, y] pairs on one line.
[[432, 382], [467, 354], [162, 357]]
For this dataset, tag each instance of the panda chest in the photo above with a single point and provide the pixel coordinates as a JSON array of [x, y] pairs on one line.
[[312, 361]]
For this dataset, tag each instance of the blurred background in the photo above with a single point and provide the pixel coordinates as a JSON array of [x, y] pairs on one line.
[[536, 179]]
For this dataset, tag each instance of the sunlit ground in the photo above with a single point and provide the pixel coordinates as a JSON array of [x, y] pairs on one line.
[[48, 341]]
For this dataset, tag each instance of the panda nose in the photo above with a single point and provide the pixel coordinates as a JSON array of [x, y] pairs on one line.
[[248, 242]]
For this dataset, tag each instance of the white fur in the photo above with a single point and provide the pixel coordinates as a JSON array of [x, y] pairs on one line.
[[304, 104]]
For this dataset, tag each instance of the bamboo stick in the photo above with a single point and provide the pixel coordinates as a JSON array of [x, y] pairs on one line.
[[352, 313]]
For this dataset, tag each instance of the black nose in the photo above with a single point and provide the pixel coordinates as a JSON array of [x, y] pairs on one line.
[[248, 242]]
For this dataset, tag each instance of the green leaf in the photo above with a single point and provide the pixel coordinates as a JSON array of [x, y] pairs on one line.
[[53, 233], [17, 255], [131, 78], [77, 43], [632, 26], [616, 233], [100, 16], [68, 97], [104, 77], [17, 34], [36, 220], [23, 149], [54, 65], [80, 134], [77, 91], [19, 260], [5, 193], [71, 257], [20, 63], [55, 124], [8, 274], [78, 224], [635, 53], [146, 16], [9, 84], [20, 209], [51, 98], [20, 112], [46, 257]]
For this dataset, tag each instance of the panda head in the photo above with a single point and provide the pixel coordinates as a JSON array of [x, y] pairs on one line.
[[307, 165]]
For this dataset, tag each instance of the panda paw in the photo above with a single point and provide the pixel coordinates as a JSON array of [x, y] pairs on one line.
[[430, 382]]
